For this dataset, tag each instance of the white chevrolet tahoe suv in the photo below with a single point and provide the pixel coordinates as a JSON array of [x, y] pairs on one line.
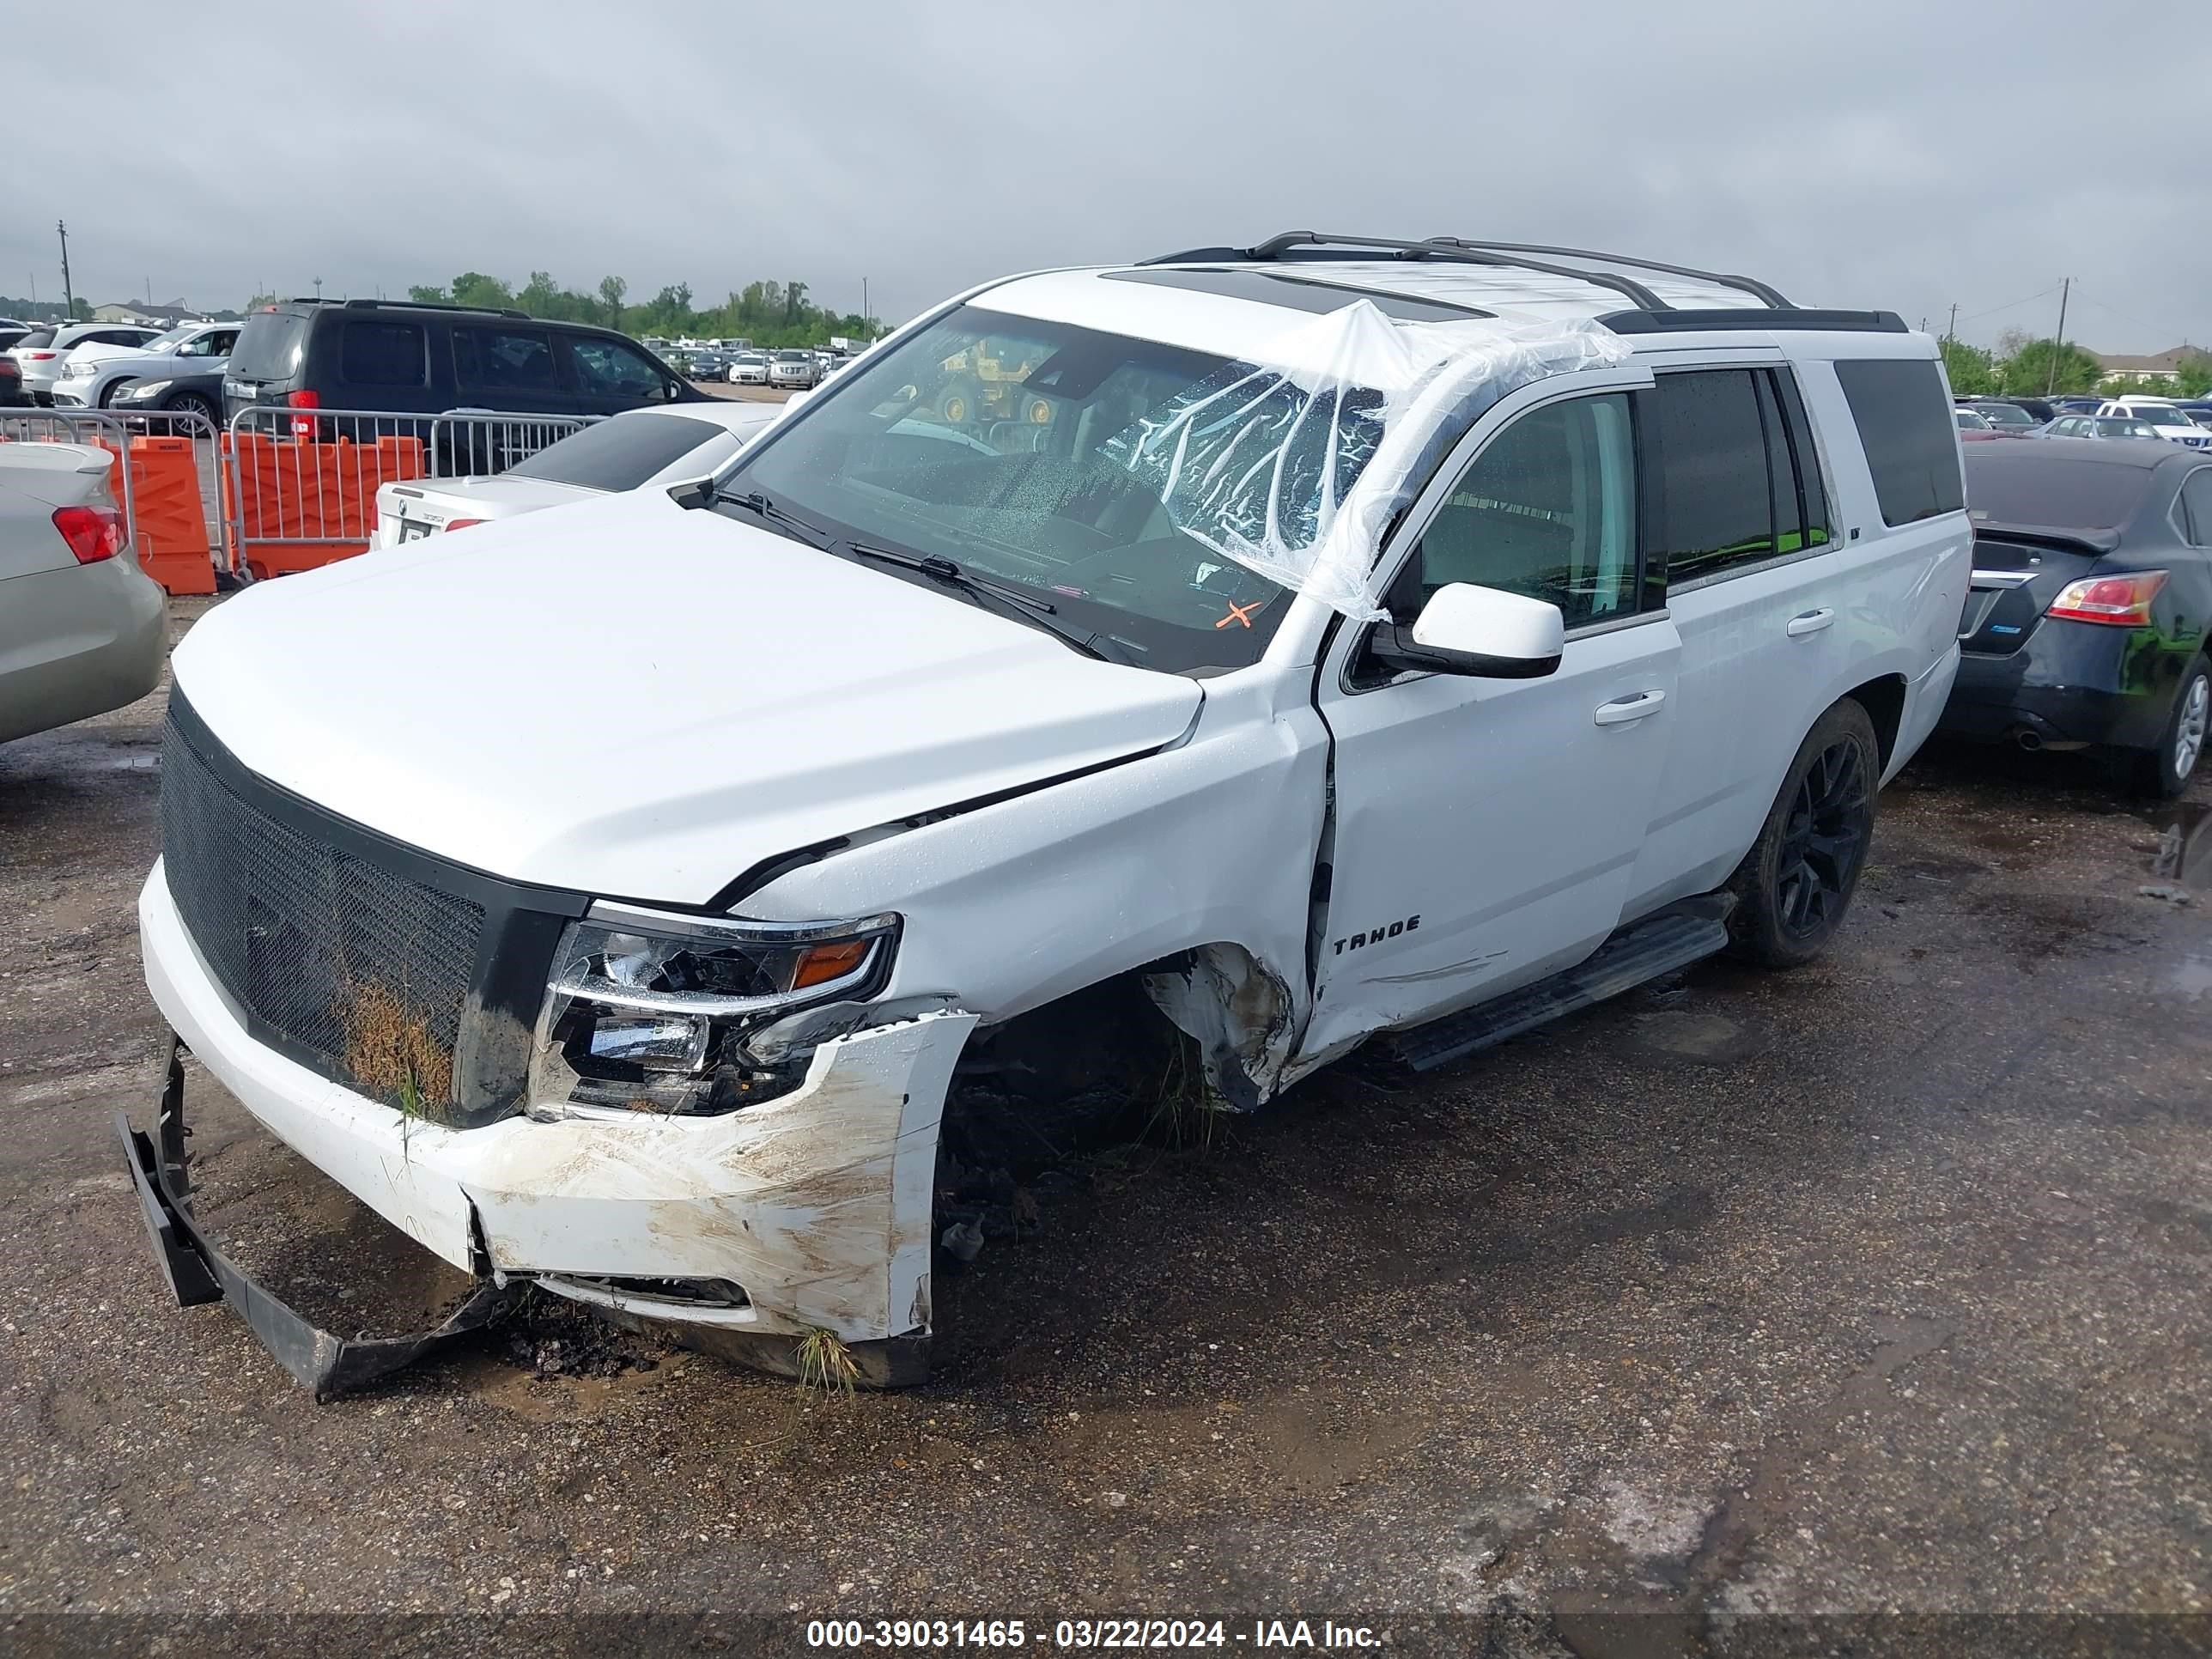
[[1258, 652]]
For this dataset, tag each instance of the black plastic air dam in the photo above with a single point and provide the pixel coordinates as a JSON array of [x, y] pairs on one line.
[[199, 1272]]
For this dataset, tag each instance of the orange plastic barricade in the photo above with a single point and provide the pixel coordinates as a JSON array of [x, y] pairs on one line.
[[168, 518], [303, 505]]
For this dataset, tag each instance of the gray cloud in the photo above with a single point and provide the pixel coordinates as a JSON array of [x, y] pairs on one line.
[[1881, 153]]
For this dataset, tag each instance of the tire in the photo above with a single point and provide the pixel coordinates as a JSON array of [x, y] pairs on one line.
[[1793, 887], [960, 403], [107, 392], [190, 403], [2164, 772]]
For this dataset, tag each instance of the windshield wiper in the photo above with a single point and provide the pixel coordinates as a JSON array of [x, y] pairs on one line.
[[945, 571], [1031, 609], [800, 529]]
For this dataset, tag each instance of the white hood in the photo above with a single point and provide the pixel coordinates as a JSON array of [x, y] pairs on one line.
[[628, 699]]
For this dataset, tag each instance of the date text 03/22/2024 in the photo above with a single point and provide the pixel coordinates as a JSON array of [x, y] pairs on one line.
[[1260, 1635]]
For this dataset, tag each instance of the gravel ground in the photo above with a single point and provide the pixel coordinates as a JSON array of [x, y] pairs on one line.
[[1843, 1310]]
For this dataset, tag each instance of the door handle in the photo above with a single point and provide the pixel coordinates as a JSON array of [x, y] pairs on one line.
[[1811, 622], [1621, 710]]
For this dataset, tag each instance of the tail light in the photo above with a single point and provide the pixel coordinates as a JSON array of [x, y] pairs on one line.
[[42, 356], [93, 534], [303, 400], [2123, 600], [461, 524]]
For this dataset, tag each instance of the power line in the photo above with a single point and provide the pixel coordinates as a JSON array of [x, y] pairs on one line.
[[1993, 310], [2129, 316]]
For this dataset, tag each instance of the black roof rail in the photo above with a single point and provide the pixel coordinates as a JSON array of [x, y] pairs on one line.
[[434, 305], [1672, 321], [1281, 247], [1750, 285]]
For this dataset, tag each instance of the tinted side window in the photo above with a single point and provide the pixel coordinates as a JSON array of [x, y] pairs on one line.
[[610, 368], [1811, 491], [1548, 509], [504, 360], [382, 354], [1716, 500], [1911, 448], [2196, 505]]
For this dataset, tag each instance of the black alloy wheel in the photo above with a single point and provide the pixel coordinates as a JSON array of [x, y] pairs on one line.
[[1824, 841]]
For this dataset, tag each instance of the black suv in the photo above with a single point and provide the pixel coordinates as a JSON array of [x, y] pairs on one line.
[[411, 358]]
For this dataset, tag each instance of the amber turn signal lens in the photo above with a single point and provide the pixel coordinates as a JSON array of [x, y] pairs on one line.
[[820, 963]]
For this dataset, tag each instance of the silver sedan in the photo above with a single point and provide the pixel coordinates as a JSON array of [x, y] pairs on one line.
[[82, 628]]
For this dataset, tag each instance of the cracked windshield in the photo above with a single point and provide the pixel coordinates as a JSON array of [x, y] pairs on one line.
[[1005, 445]]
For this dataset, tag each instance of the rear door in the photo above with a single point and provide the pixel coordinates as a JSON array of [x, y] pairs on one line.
[[1756, 589], [507, 366], [266, 362]]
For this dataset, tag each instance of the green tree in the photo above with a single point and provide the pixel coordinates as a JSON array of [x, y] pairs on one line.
[[1972, 371], [473, 287], [611, 290], [424, 294], [2194, 377], [2045, 366]]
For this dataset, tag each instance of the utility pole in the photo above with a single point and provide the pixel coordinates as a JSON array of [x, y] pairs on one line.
[[867, 328], [319, 288], [69, 297], [2051, 382], [1951, 329]]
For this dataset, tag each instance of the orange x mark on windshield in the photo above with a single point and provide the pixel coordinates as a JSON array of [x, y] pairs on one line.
[[1239, 613]]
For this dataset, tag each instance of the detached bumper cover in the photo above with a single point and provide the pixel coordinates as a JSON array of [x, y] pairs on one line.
[[199, 1272], [817, 1204]]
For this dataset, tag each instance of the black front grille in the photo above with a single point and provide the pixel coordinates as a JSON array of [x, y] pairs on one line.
[[367, 970]]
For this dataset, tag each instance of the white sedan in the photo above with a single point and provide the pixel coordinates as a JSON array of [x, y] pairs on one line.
[[660, 444]]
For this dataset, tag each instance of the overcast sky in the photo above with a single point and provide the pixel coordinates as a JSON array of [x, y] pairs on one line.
[[1872, 154]]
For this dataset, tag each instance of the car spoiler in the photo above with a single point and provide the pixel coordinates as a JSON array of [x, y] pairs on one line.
[[2095, 542]]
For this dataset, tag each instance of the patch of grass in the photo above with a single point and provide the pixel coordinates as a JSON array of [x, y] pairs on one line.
[[1184, 1111], [390, 1048], [826, 1365]]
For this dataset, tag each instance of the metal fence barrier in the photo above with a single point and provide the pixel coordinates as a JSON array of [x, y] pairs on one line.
[[301, 484]]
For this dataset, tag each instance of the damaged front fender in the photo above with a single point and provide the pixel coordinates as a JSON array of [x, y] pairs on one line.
[[1240, 1012]]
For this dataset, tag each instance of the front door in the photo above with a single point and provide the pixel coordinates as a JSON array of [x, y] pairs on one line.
[[1484, 829]]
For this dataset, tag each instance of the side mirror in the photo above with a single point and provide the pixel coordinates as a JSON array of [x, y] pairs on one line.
[[1481, 631]]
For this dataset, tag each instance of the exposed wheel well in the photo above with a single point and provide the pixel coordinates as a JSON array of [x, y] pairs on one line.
[[1884, 701]]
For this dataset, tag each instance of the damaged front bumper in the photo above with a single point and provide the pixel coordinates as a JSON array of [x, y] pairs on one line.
[[812, 1209]]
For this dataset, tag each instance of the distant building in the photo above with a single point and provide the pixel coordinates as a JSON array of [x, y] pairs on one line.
[[2122, 366], [167, 316]]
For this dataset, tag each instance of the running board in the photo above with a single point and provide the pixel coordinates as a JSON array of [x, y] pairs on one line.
[[1636, 954]]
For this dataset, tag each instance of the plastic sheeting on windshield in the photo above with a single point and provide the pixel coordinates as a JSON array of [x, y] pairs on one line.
[[1293, 467]]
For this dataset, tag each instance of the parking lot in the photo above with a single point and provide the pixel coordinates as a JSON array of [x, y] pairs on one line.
[[1878, 1288]]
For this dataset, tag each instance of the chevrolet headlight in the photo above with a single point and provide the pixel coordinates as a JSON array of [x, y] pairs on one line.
[[647, 1009], [144, 389]]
